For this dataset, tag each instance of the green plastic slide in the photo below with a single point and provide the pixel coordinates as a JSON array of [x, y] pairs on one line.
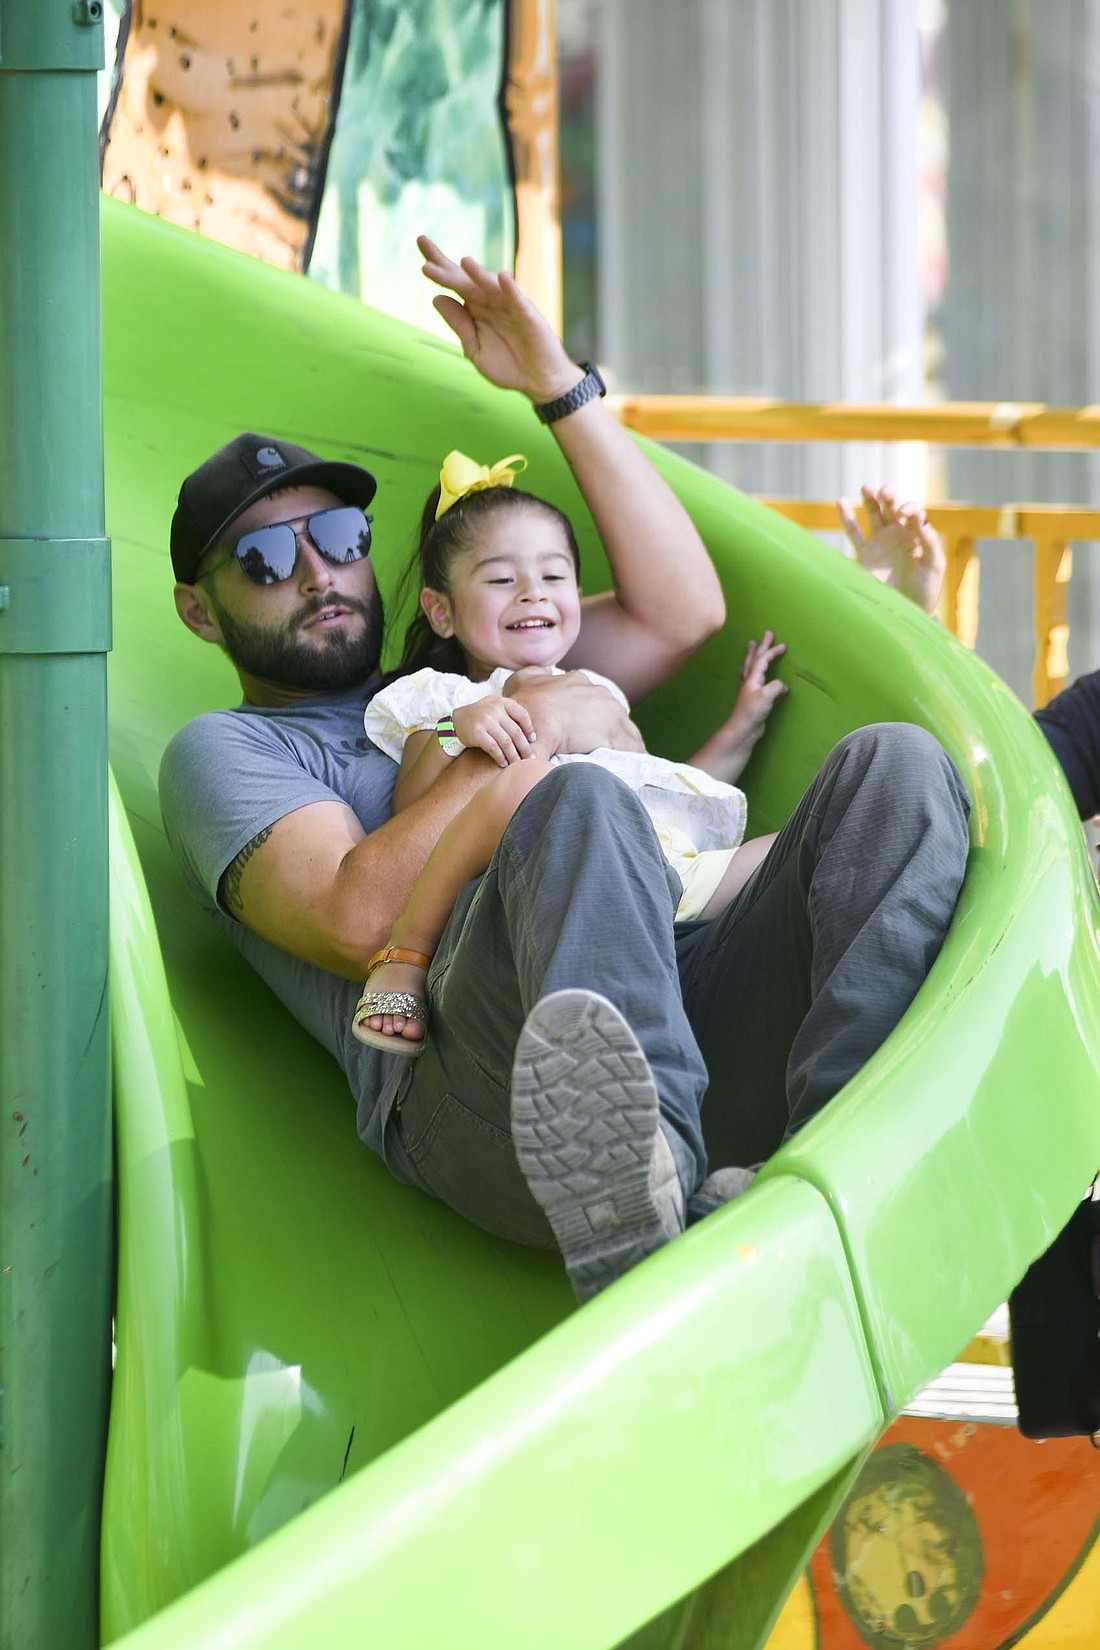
[[342, 1416]]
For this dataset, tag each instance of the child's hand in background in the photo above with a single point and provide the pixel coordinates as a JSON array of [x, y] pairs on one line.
[[902, 548]]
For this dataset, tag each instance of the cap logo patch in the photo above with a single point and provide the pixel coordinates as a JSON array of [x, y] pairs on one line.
[[263, 461]]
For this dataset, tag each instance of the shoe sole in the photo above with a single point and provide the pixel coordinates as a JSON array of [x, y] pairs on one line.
[[587, 1135]]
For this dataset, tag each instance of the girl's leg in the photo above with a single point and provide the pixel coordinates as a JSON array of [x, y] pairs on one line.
[[748, 858], [462, 853]]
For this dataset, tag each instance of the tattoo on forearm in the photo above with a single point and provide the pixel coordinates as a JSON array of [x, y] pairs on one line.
[[231, 877]]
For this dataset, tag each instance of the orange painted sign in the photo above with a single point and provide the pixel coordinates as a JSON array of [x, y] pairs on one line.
[[957, 1536]]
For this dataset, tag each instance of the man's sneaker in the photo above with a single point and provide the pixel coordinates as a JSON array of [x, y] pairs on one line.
[[717, 1190], [587, 1134]]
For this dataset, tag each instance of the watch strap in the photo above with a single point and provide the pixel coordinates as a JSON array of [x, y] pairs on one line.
[[590, 386]]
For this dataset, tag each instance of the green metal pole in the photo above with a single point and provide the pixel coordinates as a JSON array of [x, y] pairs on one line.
[[55, 1162]]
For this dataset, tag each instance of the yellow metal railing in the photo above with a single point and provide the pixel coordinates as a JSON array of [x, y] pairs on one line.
[[953, 423], [1052, 528]]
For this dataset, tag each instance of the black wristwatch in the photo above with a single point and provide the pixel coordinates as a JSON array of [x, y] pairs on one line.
[[590, 386]]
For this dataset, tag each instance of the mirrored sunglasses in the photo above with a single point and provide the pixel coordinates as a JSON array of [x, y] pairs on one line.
[[268, 555]]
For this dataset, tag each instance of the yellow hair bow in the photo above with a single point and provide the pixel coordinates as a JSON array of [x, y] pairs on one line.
[[461, 475]]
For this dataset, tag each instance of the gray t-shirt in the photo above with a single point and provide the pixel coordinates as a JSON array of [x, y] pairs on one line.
[[224, 778]]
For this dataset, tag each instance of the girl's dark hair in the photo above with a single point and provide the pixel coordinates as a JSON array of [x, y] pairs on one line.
[[440, 544]]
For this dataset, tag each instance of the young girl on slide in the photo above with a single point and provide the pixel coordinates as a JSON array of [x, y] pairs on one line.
[[498, 569]]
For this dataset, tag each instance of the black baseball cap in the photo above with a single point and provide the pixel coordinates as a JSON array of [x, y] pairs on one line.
[[247, 468]]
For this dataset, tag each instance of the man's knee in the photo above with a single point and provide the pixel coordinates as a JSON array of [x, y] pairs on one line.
[[906, 757], [902, 743], [581, 804], [581, 790]]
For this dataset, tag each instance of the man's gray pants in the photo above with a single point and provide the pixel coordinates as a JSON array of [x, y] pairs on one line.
[[750, 1022]]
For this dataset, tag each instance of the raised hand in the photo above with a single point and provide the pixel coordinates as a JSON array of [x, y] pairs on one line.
[[499, 328], [902, 549]]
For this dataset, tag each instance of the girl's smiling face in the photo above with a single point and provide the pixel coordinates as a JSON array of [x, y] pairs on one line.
[[514, 599]]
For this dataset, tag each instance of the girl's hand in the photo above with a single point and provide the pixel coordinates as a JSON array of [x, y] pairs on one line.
[[499, 727], [500, 330], [757, 695], [728, 749], [903, 549]]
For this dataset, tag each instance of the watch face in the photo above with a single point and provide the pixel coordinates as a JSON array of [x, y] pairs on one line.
[[451, 746]]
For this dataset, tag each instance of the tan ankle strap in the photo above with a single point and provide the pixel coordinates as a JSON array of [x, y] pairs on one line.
[[398, 954]]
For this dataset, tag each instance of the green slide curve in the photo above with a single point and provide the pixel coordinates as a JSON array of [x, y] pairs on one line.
[[505, 1471]]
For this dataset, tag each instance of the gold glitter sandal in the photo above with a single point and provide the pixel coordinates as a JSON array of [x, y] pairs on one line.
[[392, 1002]]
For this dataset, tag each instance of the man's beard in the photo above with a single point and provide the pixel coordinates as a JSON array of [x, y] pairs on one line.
[[334, 661]]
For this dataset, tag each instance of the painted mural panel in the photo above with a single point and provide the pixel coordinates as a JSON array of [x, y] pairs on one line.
[[319, 136], [958, 1535], [221, 115], [419, 146]]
